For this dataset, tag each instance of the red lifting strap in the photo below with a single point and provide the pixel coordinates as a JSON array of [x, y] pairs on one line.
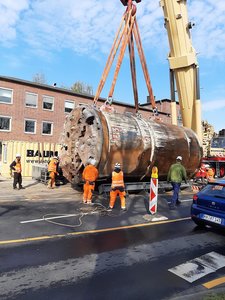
[[126, 35]]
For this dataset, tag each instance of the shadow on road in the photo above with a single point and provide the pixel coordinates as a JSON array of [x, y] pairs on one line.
[[9, 208]]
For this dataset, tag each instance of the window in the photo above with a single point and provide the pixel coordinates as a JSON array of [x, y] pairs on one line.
[[48, 103], [5, 123], [0, 151], [47, 128], [6, 95], [69, 106], [30, 126], [31, 100]]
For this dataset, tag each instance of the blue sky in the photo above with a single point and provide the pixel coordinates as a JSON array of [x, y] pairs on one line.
[[69, 40]]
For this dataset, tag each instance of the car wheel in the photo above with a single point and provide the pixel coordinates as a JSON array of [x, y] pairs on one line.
[[199, 223]]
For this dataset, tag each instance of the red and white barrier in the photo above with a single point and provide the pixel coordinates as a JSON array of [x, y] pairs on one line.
[[153, 196], [195, 188]]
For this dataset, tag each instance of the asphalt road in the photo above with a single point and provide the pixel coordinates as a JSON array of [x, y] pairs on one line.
[[108, 256]]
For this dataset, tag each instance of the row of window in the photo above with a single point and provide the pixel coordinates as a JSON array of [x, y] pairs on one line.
[[29, 125], [31, 100]]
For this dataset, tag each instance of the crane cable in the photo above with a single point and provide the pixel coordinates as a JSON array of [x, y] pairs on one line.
[[124, 36]]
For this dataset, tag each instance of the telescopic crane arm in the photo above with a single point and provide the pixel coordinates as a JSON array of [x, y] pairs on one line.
[[183, 65]]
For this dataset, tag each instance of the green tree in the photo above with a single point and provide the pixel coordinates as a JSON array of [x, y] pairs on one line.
[[82, 88], [39, 78]]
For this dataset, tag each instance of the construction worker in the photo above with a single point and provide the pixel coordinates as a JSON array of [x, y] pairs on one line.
[[209, 173], [16, 169], [176, 174], [201, 173], [52, 169], [89, 175], [117, 187]]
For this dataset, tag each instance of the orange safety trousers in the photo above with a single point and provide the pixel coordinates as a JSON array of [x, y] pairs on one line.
[[87, 195], [51, 182], [113, 195]]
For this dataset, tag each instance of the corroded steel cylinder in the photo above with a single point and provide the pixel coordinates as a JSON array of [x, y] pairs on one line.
[[134, 142]]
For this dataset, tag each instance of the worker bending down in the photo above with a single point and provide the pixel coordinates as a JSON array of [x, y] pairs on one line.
[[117, 187], [52, 169], [90, 174]]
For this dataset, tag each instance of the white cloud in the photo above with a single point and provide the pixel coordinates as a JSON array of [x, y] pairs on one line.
[[213, 105], [209, 33], [10, 14], [88, 27]]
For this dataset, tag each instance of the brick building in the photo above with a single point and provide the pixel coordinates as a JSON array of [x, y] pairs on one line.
[[35, 113]]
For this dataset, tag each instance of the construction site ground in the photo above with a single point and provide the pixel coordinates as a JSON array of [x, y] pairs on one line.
[[37, 212]]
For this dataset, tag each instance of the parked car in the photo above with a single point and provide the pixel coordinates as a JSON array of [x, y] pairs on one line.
[[208, 207]]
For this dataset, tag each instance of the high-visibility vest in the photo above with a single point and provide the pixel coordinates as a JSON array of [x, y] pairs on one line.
[[52, 166], [18, 167], [117, 179], [210, 173], [90, 173]]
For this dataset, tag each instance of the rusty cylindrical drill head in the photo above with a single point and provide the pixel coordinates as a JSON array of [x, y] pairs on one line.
[[132, 141]]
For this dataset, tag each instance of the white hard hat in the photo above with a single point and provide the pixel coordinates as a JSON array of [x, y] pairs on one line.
[[179, 158], [92, 161], [207, 166], [18, 155], [117, 165]]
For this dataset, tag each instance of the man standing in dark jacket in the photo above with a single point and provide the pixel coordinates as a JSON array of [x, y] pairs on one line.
[[176, 174], [16, 169]]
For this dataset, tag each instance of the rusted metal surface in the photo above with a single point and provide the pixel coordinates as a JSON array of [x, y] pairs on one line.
[[130, 140]]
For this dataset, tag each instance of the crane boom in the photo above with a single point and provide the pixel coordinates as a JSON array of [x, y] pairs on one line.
[[183, 64]]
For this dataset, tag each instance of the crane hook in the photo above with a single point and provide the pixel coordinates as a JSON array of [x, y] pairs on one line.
[[125, 2], [130, 5]]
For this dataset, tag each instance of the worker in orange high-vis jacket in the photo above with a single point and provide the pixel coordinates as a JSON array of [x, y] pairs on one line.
[[52, 169], [89, 175], [210, 173], [117, 187], [16, 169]]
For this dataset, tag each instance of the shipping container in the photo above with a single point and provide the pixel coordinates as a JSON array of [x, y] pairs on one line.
[[31, 153]]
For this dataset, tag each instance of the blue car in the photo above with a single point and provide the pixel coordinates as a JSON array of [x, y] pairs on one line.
[[208, 207]]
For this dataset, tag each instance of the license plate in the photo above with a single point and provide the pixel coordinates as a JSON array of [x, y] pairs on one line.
[[212, 219]]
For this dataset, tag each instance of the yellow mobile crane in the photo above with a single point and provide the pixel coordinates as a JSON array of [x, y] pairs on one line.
[[183, 65]]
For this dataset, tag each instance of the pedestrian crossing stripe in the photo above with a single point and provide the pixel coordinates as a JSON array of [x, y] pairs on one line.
[[197, 268]]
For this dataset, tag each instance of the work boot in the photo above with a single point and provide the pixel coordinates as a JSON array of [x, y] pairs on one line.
[[84, 201], [21, 188], [109, 208], [89, 202], [178, 202], [123, 208]]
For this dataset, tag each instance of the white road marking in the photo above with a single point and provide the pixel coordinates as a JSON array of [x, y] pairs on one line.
[[59, 217], [162, 218], [186, 200], [199, 267]]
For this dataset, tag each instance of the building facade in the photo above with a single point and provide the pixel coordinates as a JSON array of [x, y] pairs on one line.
[[34, 114]]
